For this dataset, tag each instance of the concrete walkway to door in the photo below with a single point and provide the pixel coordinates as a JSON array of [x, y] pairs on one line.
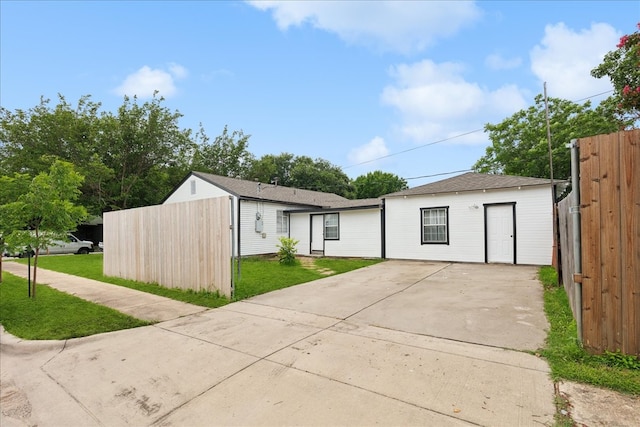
[[397, 343]]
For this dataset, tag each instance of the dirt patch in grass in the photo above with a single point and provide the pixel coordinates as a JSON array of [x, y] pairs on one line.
[[309, 263]]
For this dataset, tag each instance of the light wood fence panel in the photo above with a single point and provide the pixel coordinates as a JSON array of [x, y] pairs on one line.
[[179, 245]]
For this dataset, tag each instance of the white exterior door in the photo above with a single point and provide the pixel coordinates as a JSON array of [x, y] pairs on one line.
[[500, 233], [317, 233]]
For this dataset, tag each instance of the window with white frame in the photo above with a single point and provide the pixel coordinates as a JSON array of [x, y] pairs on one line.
[[435, 225], [332, 226], [282, 222]]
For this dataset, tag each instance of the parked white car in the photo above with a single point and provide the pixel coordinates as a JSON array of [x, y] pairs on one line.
[[72, 246]]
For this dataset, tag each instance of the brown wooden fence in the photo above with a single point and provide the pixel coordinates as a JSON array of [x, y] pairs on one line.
[[179, 245], [565, 231], [610, 228]]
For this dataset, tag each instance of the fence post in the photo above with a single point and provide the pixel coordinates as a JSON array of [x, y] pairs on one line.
[[577, 248]]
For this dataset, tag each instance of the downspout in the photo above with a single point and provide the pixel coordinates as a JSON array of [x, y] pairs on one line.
[[238, 234], [383, 237], [577, 240], [233, 249]]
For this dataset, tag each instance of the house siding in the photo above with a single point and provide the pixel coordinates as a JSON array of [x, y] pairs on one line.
[[299, 229], [360, 234], [265, 242], [534, 225], [204, 190], [251, 243]]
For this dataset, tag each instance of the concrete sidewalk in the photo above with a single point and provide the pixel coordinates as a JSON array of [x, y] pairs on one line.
[[138, 304]]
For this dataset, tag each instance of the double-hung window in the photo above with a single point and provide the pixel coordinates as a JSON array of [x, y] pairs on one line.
[[282, 222], [435, 225], [331, 226]]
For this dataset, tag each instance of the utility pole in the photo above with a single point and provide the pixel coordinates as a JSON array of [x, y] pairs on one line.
[[554, 259]]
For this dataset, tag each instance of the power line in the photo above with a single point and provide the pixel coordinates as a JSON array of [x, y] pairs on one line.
[[593, 96], [439, 174], [414, 148], [450, 138]]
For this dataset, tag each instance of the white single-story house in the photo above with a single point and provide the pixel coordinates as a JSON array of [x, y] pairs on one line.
[[472, 218], [265, 212], [467, 218]]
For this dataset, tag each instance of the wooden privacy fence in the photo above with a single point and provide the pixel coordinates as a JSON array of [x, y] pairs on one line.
[[565, 231], [610, 229], [179, 245]]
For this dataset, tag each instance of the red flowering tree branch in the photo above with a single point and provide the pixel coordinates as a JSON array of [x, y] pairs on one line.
[[622, 66]]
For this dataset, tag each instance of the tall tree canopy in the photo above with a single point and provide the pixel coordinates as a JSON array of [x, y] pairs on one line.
[[272, 168], [139, 145], [320, 175], [136, 155], [622, 67], [228, 155], [377, 183], [519, 144], [130, 158], [301, 172]]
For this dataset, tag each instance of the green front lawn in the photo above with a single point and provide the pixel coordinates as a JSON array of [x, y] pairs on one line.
[[55, 315]]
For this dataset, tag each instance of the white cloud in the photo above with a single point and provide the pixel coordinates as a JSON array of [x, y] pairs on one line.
[[564, 59], [178, 71], [498, 62], [144, 82], [403, 26], [372, 150], [436, 102]]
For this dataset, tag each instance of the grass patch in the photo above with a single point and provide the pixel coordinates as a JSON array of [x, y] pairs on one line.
[[566, 356], [90, 266], [55, 315], [343, 265]]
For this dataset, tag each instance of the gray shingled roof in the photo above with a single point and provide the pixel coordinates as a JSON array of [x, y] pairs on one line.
[[269, 192], [355, 203], [471, 181]]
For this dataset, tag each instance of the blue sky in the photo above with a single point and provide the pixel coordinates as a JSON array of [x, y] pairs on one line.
[[350, 82]]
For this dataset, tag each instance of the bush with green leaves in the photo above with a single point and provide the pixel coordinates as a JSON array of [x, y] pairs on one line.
[[287, 250]]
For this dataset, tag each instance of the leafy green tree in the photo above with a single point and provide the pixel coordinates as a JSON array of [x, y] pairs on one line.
[[519, 144], [11, 187], [139, 145], [271, 167], [130, 158], [320, 175], [227, 155], [27, 137], [377, 183], [46, 211], [301, 172], [622, 67]]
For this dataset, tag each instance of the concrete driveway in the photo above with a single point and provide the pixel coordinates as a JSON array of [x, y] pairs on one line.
[[398, 343]]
